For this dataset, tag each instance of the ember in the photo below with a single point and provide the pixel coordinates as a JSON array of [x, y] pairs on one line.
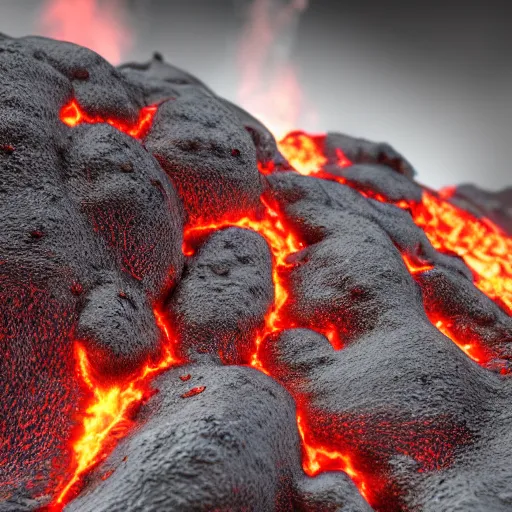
[[348, 330]]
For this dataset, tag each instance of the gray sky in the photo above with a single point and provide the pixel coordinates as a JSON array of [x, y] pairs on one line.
[[431, 78]]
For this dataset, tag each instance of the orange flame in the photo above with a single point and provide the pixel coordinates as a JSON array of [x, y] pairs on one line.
[[94, 24], [304, 152]]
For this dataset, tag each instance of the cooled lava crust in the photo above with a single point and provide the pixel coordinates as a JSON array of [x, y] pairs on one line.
[[194, 317]]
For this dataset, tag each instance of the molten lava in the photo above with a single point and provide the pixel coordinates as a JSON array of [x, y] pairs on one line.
[[318, 459], [109, 410], [282, 242], [483, 247], [304, 152], [72, 115]]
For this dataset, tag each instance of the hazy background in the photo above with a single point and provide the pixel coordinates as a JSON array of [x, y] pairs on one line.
[[431, 78]]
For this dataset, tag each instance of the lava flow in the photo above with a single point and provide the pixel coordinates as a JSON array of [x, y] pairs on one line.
[[318, 459], [109, 408], [483, 247], [282, 242], [109, 411], [72, 115]]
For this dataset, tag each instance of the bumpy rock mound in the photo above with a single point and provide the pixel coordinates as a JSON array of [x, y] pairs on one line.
[[195, 317]]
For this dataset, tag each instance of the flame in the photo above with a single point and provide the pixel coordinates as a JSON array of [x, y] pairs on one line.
[[269, 87], [72, 115], [109, 411], [94, 24]]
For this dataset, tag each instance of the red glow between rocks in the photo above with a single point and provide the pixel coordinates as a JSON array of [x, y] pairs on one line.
[[193, 392], [283, 243], [483, 247], [72, 115], [109, 411], [317, 459]]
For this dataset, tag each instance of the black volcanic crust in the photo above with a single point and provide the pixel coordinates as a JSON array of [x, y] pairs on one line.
[[91, 236]]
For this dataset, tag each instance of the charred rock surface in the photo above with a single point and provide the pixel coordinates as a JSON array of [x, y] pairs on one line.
[[91, 232], [188, 323]]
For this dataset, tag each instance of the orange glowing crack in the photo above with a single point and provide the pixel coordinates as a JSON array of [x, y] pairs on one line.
[[72, 115], [318, 459], [415, 268], [306, 154], [108, 414], [472, 349], [282, 243], [485, 249]]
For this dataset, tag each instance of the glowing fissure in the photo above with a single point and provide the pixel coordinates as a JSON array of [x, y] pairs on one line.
[[109, 411], [282, 243], [485, 249], [317, 459], [72, 115]]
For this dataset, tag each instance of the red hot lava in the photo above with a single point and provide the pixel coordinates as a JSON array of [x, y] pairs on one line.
[[72, 115]]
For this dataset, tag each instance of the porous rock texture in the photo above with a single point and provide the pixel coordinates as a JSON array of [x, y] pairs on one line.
[[92, 225]]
